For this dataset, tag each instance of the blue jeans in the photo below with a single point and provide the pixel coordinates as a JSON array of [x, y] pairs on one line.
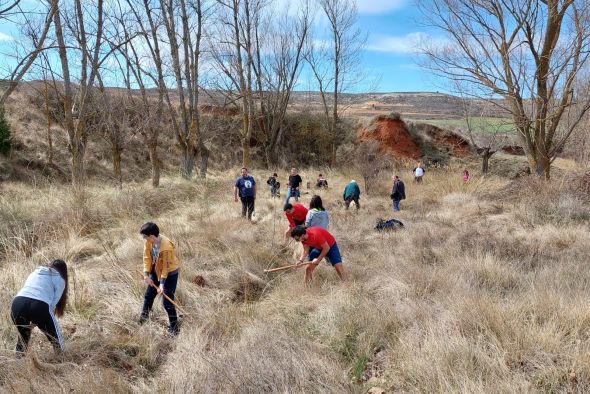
[[292, 193], [396, 205]]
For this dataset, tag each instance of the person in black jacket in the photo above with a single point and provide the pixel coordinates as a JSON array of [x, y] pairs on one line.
[[274, 185], [398, 192]]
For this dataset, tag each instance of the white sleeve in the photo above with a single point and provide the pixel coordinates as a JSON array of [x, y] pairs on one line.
[[308, 218]]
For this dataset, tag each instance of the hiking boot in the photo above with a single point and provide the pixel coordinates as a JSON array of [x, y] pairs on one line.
[[174, 329], [143, 319]]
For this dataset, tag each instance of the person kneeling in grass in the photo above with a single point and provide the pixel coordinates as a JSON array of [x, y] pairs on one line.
[[318, 244], [161, 270]]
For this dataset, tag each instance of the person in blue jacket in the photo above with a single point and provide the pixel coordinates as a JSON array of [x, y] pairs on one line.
[[43, 296], [352, 192]]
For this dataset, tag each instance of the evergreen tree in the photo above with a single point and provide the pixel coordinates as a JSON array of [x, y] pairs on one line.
[[4, 133]]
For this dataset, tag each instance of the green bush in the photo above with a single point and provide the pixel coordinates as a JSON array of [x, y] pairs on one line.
[[4, 134]]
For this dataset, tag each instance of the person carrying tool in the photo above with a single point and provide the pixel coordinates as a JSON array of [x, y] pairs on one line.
[[296, 215], [317, 245], [160, 273], [43, 296]]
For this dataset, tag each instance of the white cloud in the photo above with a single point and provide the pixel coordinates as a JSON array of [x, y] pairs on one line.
[[379, 6], [410, 43], [6, 37]]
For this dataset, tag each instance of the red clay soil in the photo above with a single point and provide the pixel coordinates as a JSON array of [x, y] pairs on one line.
[[513, 150], [457, 145], [393, 137]]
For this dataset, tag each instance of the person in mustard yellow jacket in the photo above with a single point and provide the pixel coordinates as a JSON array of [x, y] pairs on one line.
[[160, 267]]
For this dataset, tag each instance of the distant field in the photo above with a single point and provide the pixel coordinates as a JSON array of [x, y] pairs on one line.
[[486, 125]]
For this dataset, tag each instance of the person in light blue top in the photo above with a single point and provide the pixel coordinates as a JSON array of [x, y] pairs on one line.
[[317, 216], [43, 296]]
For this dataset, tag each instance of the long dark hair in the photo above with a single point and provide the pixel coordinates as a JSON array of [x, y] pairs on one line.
[[316, 202], [62, 268]]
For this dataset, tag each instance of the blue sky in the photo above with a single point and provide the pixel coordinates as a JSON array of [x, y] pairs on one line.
[[394, 28], [390, 60]]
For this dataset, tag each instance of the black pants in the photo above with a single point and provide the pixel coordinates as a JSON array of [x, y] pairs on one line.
[[247, 206], [150, 296], [351, 199], [28, 312]]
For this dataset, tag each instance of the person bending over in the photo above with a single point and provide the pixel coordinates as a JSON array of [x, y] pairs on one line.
[[317, 245], [43, 296]]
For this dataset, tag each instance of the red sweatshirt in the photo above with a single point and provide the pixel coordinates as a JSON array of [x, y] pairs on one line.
[[299, 214], [317, 236]]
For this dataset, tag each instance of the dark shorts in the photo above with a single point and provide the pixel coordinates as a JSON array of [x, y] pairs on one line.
[[333, 255], [299, 222]]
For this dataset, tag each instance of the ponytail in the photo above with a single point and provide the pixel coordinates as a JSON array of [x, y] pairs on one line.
[[61, 267]]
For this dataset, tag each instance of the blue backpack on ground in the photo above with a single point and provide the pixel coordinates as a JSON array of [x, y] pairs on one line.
[[388, 224]]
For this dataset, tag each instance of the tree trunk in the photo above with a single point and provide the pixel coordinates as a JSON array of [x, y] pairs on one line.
[[49, 136], [204, 161], [117, 165], [269, 157], [543, 168], [78, 164], [246, 150], [188, 162], [155, 160], [485, 162]]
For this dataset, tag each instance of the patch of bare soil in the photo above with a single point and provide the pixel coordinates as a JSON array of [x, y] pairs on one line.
[[393, 137]]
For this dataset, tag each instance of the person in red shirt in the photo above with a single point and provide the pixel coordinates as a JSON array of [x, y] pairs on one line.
[[318, 244], [296, 215]]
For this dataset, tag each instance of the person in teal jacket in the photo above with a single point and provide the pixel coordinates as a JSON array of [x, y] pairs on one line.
[[352, 192]]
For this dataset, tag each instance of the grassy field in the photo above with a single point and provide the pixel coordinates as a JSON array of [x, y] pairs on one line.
[[486, 290], [478, 124]]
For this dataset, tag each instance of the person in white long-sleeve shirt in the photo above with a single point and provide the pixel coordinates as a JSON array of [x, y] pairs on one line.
[[43, 296]]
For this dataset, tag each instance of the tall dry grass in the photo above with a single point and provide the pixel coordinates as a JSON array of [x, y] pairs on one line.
[[485, 290]]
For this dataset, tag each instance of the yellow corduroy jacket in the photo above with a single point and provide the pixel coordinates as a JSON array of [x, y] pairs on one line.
[[166, 262]]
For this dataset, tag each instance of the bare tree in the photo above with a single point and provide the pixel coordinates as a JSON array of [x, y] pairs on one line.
[[39, 38], [141, 70], [527, 52], [186, 22], [486, 132], [334, 63], [370, 162], [276, 74], [233, 53]]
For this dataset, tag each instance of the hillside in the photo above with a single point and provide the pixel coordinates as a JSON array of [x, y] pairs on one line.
[[30, 157]]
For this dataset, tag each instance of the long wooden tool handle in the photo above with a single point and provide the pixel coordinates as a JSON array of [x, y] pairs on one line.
[[285, 268], [168, 298]]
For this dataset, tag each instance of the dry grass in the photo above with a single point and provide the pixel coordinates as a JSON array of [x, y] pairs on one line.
[[484, 291]]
